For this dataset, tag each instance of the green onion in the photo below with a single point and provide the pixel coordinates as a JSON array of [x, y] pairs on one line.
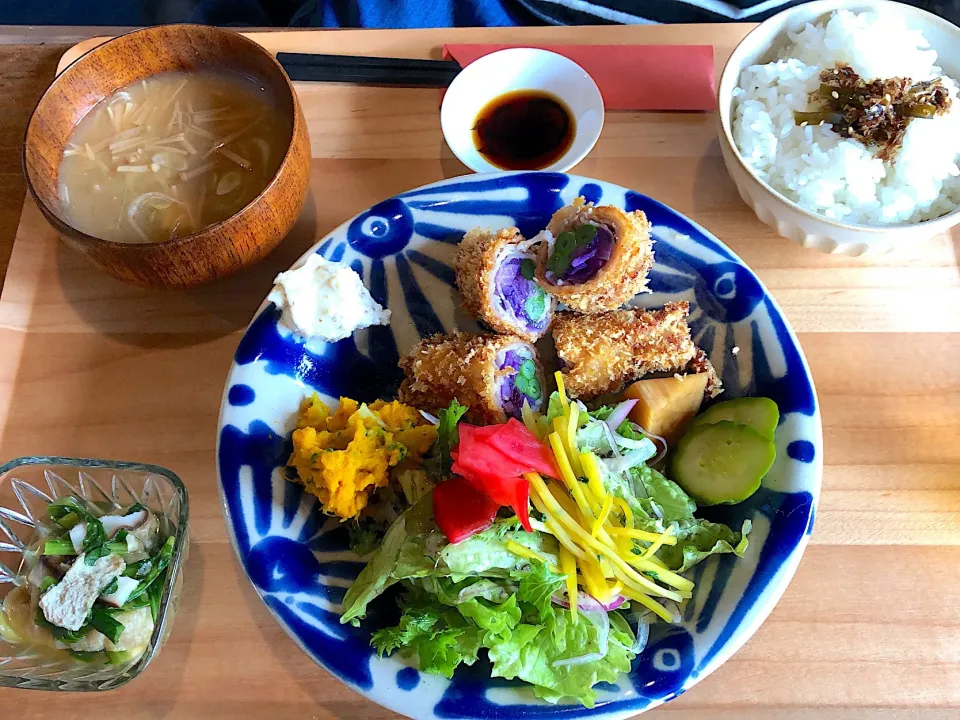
[[111, 588], [59, 546], [161, 560], [63, 546], [61, 507], [85, 656], [585, 234], [566, 243], [120, 657], [68, 521], [527, 268], [105, 623]]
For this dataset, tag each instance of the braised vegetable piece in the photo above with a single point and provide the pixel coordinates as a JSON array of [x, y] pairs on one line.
[[875, 112], [760, 413], [665, 406], [722, 463]]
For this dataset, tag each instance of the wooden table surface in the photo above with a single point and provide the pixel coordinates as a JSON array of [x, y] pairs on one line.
[[867, 630]]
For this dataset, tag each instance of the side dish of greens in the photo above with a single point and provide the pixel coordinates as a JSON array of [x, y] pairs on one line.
[[93, 585]]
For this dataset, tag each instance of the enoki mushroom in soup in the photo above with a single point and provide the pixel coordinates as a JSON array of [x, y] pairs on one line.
[[170, 155]]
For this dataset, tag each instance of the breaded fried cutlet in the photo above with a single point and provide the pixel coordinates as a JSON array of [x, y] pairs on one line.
[[601, 353], [479, 371], [701, 364], [621, 276], [500, 296]]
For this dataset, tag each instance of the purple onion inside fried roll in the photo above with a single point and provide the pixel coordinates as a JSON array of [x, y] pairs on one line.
[[524, 384], [579, 254], [518, 295]]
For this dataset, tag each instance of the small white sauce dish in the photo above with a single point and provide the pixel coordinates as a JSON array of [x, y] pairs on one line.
[[789, 219], [513, 69]]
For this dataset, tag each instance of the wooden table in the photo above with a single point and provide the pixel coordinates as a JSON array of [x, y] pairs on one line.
[[868, 629]]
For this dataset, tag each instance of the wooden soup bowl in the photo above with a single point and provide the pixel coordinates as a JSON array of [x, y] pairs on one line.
[[218, 250]]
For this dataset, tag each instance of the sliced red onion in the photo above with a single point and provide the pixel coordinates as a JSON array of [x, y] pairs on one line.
[[619, 414], [588, 602], [661, 443], [609, 434], [643, 619], [432, 419]]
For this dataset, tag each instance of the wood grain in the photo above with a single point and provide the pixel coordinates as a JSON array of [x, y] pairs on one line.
[[866, 631]]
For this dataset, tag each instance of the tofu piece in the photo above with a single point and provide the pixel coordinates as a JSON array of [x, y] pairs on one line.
[[68, 603], [137, 629], [125, 588], [147, 533]]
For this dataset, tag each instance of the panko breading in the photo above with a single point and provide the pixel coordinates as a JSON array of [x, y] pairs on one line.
[[476, 265], [602, 353], [464, 367], [342, 457], [701, 364], [622, 276]]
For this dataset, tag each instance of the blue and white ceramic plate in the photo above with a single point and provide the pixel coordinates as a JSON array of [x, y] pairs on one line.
[[298, 560]]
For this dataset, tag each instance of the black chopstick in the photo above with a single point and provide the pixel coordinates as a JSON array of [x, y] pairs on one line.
[[363, 70]]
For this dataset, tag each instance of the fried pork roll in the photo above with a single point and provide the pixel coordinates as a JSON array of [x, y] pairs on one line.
[[594, 259], [490, 374], [601, 353], [495, 274], [701, 364]]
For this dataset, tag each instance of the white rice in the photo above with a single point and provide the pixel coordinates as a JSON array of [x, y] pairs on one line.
[[838, 177]]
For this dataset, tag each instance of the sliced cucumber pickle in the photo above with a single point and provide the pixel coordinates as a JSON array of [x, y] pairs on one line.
[[722, 462], [760, 413]]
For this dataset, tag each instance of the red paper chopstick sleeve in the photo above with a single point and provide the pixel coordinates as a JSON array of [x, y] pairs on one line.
[[632, 77]]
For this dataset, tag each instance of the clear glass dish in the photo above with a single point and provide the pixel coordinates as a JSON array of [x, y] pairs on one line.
[[27, 486]]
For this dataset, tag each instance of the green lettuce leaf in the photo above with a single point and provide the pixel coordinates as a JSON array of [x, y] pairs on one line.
[[493, 618], [415, 484], [538, 586], [554, 407], [401, 555], [486, 553], [417, 621], [602, 413], [697, 539], [444, 651], [531, 650], [673, 502], [593, 438], [439, 461]]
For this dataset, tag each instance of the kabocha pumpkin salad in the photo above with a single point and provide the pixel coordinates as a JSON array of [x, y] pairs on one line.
[[549, 544], [525, 525]]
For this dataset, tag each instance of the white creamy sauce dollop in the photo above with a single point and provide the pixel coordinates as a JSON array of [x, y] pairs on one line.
[[327, 300]]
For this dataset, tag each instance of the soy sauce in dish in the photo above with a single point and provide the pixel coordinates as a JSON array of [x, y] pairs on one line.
[[524, 130]]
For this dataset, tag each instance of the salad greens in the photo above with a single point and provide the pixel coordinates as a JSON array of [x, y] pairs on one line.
[[504, 591]]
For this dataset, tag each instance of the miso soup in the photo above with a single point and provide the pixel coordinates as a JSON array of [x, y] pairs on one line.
[[170, 155]]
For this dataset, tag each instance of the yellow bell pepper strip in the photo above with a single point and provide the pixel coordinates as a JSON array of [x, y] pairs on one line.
[[602, 518], [562, 391], [569, 565], [647, 602], [650, 537], [621, 568]]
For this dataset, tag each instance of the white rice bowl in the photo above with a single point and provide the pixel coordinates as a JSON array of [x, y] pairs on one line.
[[836, 176]]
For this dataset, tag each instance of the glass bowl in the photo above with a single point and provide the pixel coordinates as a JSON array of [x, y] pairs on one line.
[[27, 486]]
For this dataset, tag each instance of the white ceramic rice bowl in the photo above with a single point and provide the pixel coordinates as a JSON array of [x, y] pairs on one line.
[[789, 219]]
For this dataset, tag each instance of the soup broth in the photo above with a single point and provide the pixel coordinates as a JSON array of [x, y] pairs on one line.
[[170, 155]]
